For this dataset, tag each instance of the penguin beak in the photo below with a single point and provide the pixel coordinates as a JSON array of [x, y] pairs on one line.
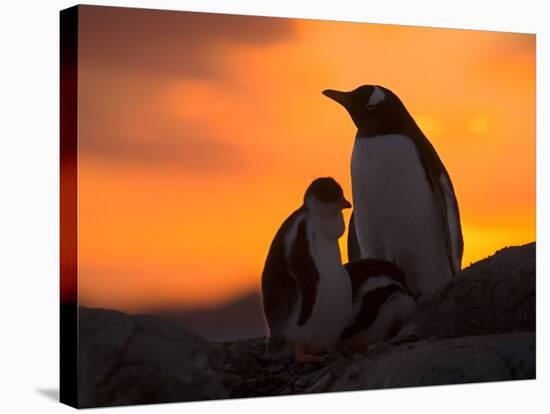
[[344, 204], [341, 97]]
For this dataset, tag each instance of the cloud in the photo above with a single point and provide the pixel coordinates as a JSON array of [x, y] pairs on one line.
[[170, 144], [126, 119], [515, 43], [170, 43]]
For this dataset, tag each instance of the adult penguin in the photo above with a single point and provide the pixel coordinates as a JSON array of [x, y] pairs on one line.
[[405, 208]]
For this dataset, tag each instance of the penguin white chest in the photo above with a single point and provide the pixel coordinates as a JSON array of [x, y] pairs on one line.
[[332, 310], [333, 306], [396, 216]]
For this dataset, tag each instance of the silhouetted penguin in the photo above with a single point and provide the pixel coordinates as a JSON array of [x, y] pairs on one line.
[[405, 208], [382, 302], [306, 291]]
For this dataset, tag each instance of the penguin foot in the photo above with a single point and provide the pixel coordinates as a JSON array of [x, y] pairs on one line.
[[300, 355], [352, 345], [309, 358]]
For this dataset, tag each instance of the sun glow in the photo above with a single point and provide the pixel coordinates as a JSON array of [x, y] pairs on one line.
[[189, 164]]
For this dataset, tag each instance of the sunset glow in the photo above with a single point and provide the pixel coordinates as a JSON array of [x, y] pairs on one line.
[[198, 135]]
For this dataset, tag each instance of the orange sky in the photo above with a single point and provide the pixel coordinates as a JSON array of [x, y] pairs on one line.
[[199, 133]]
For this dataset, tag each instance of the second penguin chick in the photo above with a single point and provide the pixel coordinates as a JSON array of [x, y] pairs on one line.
[[306, 291], [382, 302]]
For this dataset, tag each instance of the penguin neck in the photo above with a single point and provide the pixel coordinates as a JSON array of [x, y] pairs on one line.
[[324, 228], [363, 133], [325, 249], [372, 133], [406, 127], [324, 244], [324, 220]]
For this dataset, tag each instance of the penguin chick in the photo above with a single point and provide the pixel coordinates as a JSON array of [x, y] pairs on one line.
[[306, 291], [382, 302]]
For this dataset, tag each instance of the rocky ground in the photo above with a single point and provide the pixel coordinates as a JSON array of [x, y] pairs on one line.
[[481, 328], [144, 359], [429, 362]]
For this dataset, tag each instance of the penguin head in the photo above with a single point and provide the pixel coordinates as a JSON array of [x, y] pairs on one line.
[[326, 190], [324, 201], [372, 108]]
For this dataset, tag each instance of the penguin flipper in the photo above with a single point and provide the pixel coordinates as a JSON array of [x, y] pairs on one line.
[[279, 290], [354, 251], [443, 190], [303, 268], [450, 214], [278, 297]]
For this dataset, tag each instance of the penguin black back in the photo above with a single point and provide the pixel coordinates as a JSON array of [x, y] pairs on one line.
[[361, 272], [279, 290], [290, 277]]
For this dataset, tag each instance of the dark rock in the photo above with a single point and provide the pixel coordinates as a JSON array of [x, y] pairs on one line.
[[232, 380], [103, 337], [448, 361], [321, 384], [494, 295], [144, 359], [245, 364], [275, 369]]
